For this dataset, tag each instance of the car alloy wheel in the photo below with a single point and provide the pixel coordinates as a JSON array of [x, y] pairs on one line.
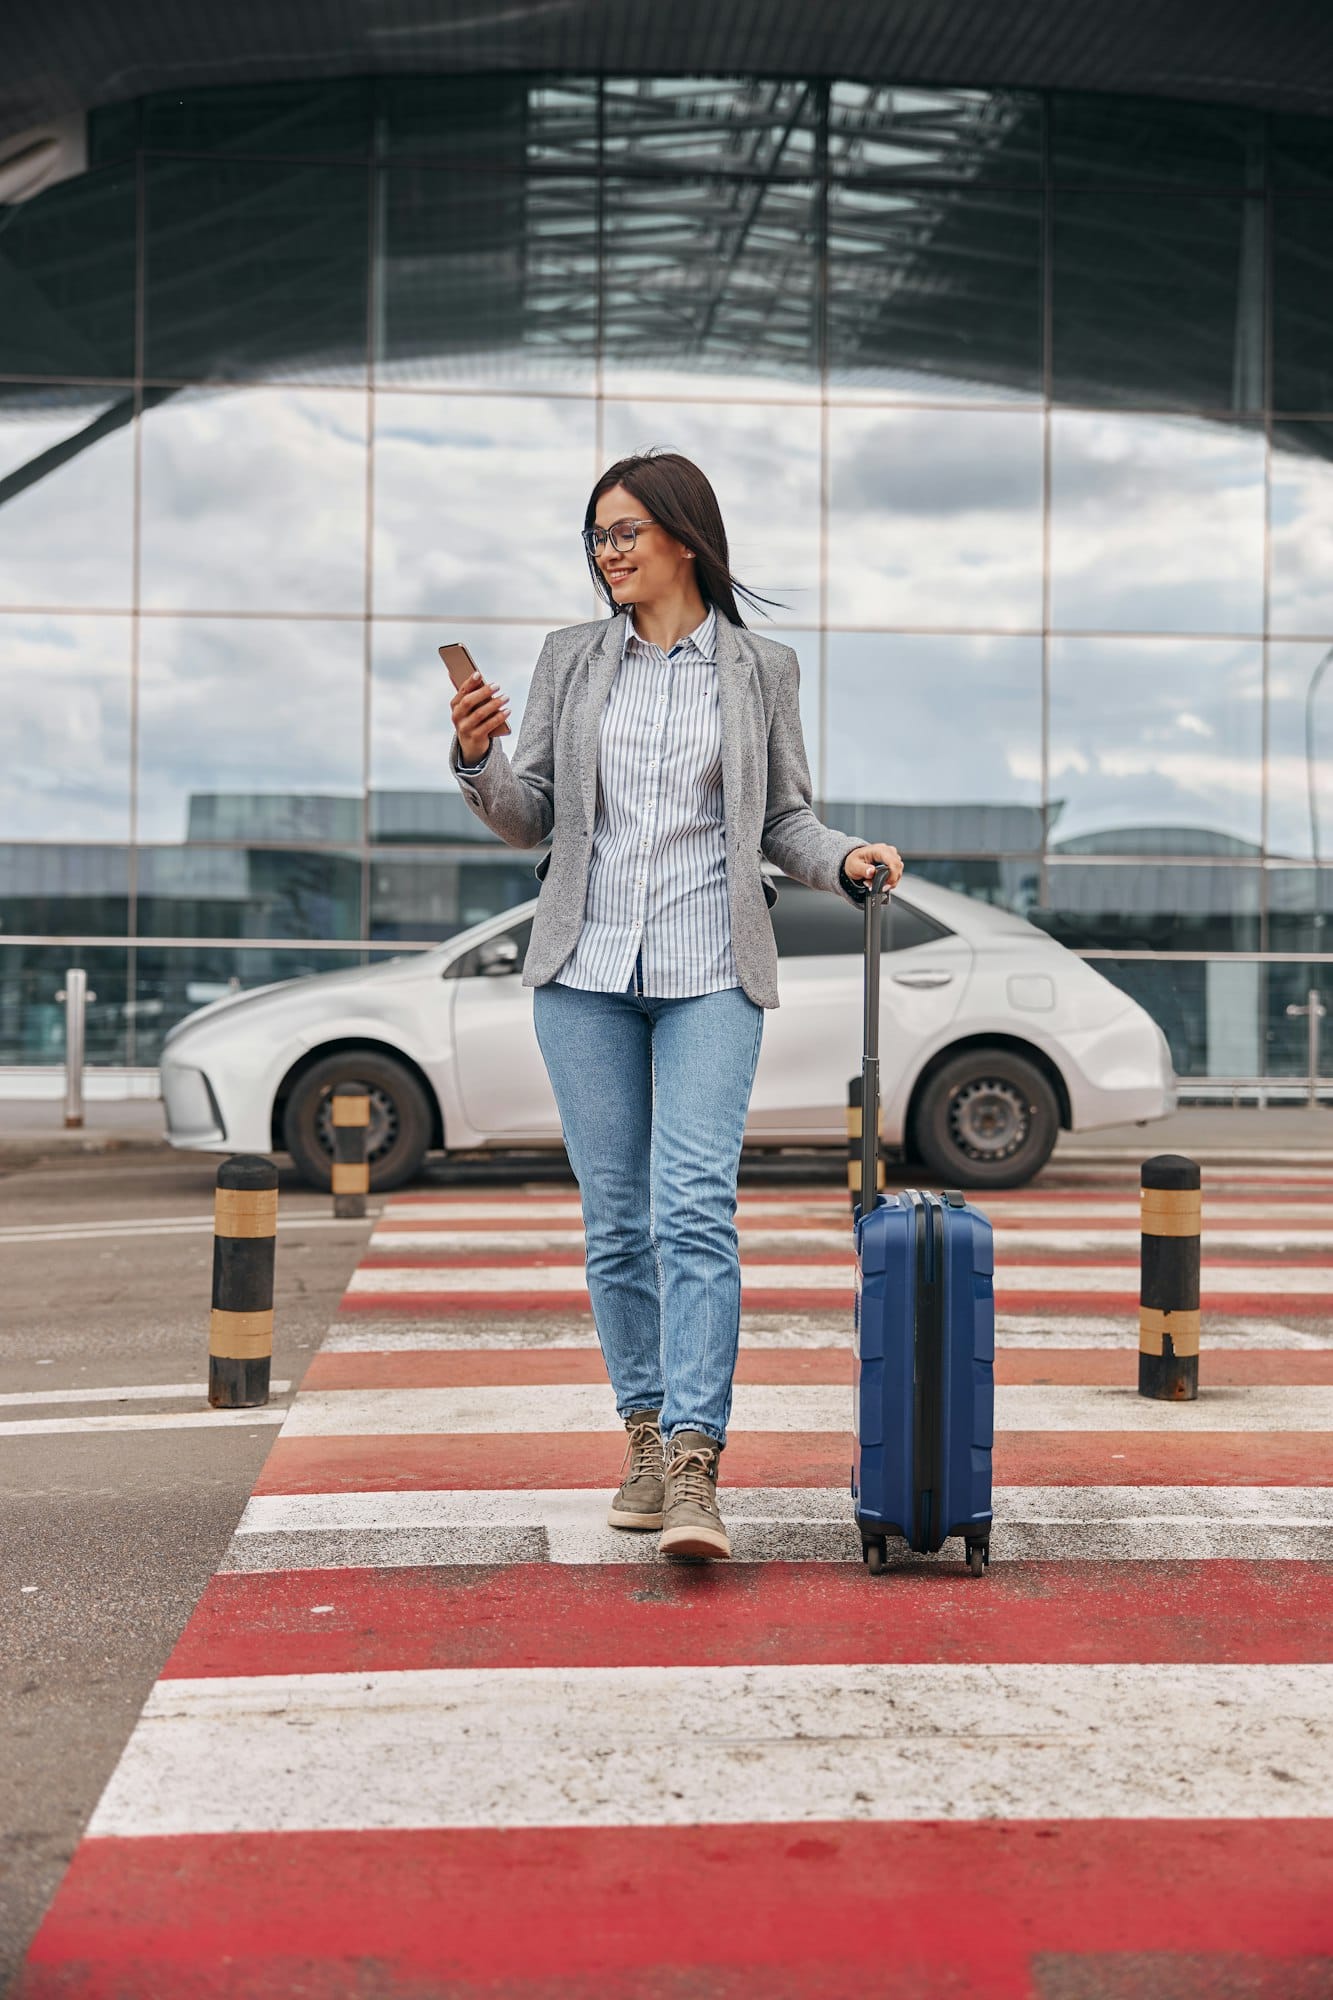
[[988, 1117], [400, 1118]]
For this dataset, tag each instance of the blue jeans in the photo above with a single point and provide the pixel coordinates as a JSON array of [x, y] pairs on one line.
[[652, 1096]]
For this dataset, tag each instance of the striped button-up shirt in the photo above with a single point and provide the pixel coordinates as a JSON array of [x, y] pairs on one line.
[[657, 877]]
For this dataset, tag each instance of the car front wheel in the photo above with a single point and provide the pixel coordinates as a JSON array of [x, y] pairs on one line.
[[987, 1119], [399, 1118]]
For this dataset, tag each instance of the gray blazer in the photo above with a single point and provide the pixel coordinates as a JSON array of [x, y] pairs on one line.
[[549, 787]]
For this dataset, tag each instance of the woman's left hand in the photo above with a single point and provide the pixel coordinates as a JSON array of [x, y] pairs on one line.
[[862, 862]]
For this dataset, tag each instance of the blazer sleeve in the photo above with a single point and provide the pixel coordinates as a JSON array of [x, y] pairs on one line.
[[795, 839], [516, 798]]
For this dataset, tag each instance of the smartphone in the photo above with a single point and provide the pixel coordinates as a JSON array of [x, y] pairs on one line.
[[462, 666]]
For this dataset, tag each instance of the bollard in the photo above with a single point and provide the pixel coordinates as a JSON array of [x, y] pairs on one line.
[[240, 1335], [1170, 1211], [854, 1144], [76, 996], [351, 1129]]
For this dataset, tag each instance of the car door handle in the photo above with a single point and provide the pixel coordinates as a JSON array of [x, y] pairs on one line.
[[923, 978]]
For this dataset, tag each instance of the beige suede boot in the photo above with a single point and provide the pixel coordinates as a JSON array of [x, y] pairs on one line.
[[638, 1504], [691, 1523]]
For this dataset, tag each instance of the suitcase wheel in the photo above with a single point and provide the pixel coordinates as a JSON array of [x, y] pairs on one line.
[[978, 1557], [874, 1554]]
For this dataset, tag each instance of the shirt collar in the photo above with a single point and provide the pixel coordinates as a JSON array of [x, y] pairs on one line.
[[703, 637]]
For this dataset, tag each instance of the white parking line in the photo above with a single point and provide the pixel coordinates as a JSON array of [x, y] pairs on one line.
[[126, 1393], [147, 1420], [167, 1225]]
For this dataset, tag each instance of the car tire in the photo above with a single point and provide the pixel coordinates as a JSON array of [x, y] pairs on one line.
[[987, 1119], [399, 1118]]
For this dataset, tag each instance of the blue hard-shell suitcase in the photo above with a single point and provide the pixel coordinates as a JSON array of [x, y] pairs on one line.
[[924, 1343]]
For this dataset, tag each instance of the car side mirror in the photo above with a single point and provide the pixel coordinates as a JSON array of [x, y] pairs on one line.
[[497, 957]]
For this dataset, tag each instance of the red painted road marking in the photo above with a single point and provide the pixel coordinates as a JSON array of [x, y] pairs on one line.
[[449, 1305], [994, 1910], [537, 1460], [776, 1614], [463, 1368], [755, 1260]]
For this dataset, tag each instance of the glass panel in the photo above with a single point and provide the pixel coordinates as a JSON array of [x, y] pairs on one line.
[[975, 787], [255, 499], [494, 124], [113, 131], [415, 796], [1158, 300], [171, 981], [714, 124], [326, 116], [1157, 524], [267, 713], [67, 279], [1139, 906], [1301, 529], [32, 1020], [1302, 304], [255, 270], [1300, 913], [934, 293], [65, 774], [1010, 882], [710, 286], [488, 280], [1155, 746], [478, 507], [417, 896], [248, 892], [1302, 152], [1144, 140], [67, 891], [1300, 751], [66, 497], [1212, 1011], [1287, 1042], [935, 518], [763, 463], [897, 133]]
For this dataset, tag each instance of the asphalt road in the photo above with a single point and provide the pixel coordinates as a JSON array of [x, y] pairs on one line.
[[107, 1538]]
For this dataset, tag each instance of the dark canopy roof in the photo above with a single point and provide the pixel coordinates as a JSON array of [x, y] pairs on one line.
[[71, 55]]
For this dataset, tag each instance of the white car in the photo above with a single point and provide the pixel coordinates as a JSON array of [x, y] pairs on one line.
[[992, 1038]]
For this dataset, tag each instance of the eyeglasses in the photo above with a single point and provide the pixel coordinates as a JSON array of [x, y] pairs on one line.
[[622, 536]]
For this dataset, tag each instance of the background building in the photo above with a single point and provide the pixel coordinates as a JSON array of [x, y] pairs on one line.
[[1018, 395]]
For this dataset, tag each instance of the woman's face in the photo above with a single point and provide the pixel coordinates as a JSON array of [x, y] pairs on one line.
[[654, 568]]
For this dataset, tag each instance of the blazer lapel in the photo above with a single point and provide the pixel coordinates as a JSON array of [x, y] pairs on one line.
[[602, 660], [734, 671]]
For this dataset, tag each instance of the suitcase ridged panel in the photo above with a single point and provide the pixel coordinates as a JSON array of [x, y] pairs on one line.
[[883, 1471]]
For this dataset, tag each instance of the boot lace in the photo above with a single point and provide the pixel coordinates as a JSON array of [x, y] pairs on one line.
[[643, 1453], [692, 1474]]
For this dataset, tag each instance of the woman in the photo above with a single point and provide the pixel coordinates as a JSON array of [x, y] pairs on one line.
[[661, 749]]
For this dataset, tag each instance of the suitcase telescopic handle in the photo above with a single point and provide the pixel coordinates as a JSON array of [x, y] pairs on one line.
[[877, 895]]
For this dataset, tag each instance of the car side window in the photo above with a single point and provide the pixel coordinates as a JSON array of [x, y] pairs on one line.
[[469, 966], [811, 923]]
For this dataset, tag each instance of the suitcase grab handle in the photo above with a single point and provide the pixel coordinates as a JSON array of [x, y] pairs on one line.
[[877, 887]]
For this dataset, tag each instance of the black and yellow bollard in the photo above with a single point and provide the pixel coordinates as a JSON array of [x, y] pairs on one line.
[[1170, 1204], [351, 1130], [240, 1335], [854, 1095]]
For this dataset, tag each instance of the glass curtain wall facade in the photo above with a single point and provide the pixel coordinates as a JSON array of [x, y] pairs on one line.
[[1020, 410]]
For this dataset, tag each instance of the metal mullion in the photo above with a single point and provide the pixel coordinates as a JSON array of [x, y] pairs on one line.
[[1047, 393]]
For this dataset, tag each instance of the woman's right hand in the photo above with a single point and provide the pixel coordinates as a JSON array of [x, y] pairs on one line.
[[479, 712]]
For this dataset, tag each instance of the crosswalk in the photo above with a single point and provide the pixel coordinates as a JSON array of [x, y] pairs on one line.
[[435, 1729]]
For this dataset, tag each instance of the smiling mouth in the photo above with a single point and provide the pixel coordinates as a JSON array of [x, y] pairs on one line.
[[615, 576]]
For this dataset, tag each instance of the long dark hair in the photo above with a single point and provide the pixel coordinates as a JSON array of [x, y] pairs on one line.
[[681, 499]]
